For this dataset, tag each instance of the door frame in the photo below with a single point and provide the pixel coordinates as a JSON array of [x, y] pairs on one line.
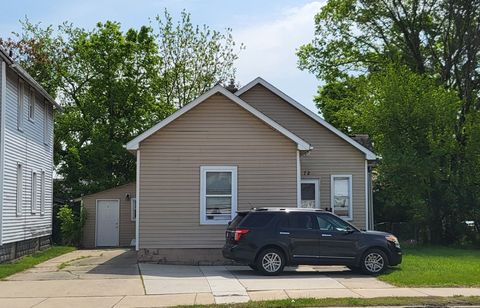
[[96, 220], [317, 191]]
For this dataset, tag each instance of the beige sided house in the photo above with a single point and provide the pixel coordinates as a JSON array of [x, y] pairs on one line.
[[226, 152]]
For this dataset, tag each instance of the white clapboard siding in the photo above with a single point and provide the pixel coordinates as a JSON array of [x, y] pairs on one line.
[[28, 148]]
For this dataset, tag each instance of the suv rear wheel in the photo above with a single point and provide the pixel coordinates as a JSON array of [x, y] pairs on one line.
[[270, 262], [374, 262]]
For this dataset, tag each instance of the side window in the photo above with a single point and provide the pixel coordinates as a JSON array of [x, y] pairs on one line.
[[328, 222], [133, 209], [20, 104], [46, 118], [19, 196], [257, 220], [31, 105], [303, 221]]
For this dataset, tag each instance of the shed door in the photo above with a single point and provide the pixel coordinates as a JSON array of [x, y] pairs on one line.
[[107, 222]]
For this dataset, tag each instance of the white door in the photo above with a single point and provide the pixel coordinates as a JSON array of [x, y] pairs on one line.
[[107, 222], [310, 193]]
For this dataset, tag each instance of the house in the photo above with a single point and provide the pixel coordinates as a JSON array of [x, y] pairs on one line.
[[26, 161], [225, 152]]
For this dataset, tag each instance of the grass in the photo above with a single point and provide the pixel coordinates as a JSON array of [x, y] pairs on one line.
[[7, 269], [357, 302], [436, 267], [65, 264]]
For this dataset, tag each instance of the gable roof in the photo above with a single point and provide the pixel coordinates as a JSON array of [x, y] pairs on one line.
[[29, 79], [301, 144], [368, 154]]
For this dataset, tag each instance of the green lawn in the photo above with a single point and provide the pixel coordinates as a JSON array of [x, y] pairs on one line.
[[436, 267], [7, 269], [356, 302]]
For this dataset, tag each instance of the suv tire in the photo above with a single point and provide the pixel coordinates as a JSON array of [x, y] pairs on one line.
[[374, 262], [270, 262]]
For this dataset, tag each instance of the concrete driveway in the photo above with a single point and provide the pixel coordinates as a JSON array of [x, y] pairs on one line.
[[112, 278], [230, 284]]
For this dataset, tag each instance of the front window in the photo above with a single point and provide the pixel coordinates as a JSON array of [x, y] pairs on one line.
[[218, 194], [342, 195]]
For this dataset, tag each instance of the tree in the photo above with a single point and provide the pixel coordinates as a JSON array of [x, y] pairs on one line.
[[115, 84], [356, 40], [194, 58], [412, 123]]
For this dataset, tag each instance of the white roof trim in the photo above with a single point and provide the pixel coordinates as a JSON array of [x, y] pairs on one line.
[[368, 154], [301, 144]]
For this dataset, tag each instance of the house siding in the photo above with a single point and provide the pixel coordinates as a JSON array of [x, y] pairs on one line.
[[330, 155], [28, 148], [215, 133], [126, 225]]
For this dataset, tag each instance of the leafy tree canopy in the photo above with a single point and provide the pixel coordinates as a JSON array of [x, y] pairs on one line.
[[114, 84]]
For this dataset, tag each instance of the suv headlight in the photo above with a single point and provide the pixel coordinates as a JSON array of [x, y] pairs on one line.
[[393, 239]]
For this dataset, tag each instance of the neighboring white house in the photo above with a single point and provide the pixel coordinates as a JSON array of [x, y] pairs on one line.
[[26, 161]]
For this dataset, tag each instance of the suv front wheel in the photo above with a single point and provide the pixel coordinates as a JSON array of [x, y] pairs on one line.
[[374, 262], [270, 262]]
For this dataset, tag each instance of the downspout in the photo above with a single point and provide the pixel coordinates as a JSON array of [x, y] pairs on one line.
[[137, 207], [299, 181], [3, 96], [367, 195]]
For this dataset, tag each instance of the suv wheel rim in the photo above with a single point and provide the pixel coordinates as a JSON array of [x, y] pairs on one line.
[[271, 262], [374, 262]]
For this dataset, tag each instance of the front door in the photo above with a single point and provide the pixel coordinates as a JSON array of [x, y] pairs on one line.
[[301, 230], [310, 193], [337, 241], [107, 222]]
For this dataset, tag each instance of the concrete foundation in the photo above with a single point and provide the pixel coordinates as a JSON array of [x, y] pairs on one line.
[[12, 251], [183, 256]]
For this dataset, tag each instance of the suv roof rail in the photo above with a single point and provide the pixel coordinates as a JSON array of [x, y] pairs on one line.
[[285, 209]]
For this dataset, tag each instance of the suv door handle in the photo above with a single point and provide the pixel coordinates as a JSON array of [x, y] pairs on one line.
[[284, 233], [326, 235]]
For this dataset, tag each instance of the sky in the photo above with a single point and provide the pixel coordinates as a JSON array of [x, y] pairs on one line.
[[270, 30]]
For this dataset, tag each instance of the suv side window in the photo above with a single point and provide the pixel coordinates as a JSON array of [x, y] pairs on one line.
[[327, 222], [304, 221], [257, 220]]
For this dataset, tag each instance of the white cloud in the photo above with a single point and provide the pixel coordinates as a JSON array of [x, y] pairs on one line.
[[270, 51]]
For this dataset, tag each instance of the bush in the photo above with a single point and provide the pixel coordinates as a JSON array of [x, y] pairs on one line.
[[71, 225]]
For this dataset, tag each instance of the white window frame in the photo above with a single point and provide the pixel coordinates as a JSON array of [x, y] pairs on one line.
[[203, 195], [31, 106], [42, 192], [20, 104], [45, 123], [133, 209], [34, 191], [317, 191], [350, 193], [19, 196]]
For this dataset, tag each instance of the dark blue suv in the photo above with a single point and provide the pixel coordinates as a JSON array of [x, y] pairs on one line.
[[268, 239]]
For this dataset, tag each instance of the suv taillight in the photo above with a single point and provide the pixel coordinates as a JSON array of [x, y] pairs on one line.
[[239, 233]]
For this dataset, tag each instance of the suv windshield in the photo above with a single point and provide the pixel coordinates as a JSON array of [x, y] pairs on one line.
[[234, 223]]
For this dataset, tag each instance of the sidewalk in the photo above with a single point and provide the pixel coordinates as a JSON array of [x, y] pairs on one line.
[[139, 301]]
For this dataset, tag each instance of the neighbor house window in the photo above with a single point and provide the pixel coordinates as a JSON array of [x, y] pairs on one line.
[[133, 209], [342, 195], [19, 188], [42, 193], [218, 194], [45, 123], [20, 104], [31, 105], [34, 193]]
